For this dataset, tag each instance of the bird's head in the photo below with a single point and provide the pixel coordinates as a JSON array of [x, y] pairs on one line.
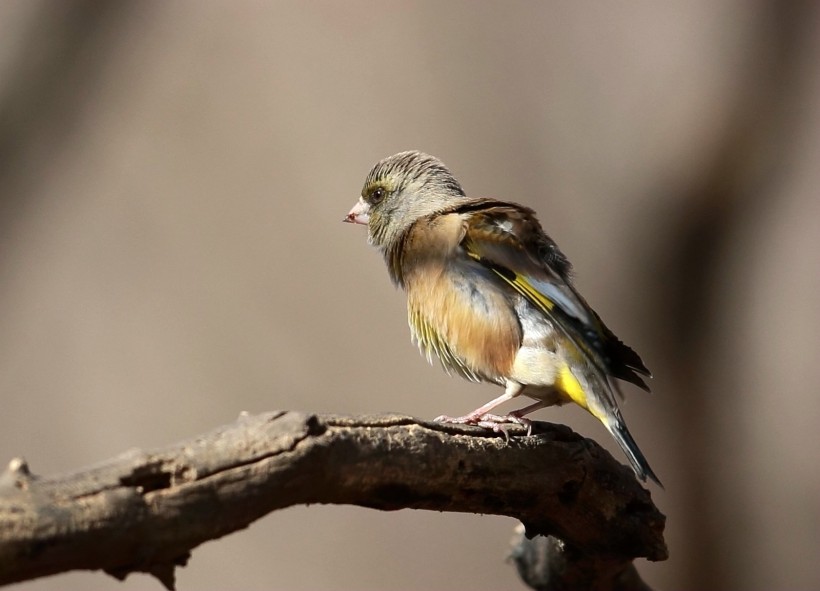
[[401, 189]]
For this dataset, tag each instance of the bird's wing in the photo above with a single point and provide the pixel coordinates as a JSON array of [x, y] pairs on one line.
[[507, 239]]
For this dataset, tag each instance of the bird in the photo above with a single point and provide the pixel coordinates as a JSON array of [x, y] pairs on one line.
[[491, 295]]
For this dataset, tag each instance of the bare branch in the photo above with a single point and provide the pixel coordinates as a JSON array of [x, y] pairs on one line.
[[148, 510]]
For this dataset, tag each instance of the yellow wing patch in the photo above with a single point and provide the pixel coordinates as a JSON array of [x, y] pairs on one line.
[[528, 291], [520, 284]]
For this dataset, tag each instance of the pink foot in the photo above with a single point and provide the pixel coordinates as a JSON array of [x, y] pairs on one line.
[[488, 421], [494, 422]]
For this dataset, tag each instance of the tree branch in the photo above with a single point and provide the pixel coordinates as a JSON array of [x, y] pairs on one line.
[[148, 510]]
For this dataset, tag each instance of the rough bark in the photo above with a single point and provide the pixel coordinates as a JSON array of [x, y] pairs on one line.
[[149, 509]]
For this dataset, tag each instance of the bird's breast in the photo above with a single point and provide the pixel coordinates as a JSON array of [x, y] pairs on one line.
[[458, 313]]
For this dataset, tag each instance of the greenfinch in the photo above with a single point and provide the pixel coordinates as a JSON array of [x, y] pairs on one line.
[[490, 295]]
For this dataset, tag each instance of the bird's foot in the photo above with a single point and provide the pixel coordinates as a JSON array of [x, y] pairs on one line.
[[494, 422], [489, 421]]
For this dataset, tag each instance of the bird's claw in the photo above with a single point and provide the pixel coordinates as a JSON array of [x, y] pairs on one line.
[[494, 422], [489, 421]]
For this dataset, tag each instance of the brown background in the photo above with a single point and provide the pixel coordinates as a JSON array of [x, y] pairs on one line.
[[172, 180]]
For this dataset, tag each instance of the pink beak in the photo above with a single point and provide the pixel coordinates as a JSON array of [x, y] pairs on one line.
[[360, 214]]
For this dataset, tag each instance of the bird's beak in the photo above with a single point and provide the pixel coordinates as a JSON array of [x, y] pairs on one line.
[[360, 214]]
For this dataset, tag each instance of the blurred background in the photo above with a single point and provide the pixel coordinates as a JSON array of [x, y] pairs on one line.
[[173, 177]]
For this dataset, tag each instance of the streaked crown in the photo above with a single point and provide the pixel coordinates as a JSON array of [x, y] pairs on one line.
[[404, 187]]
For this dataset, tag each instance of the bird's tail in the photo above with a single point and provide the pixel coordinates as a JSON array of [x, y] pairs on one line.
[[618, 429]]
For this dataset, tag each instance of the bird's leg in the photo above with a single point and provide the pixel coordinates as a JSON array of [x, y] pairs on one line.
[[474, 417], [482, 417], [521, 412]]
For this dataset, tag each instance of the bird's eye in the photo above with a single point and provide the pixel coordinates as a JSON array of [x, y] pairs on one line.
[[376, 195]]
